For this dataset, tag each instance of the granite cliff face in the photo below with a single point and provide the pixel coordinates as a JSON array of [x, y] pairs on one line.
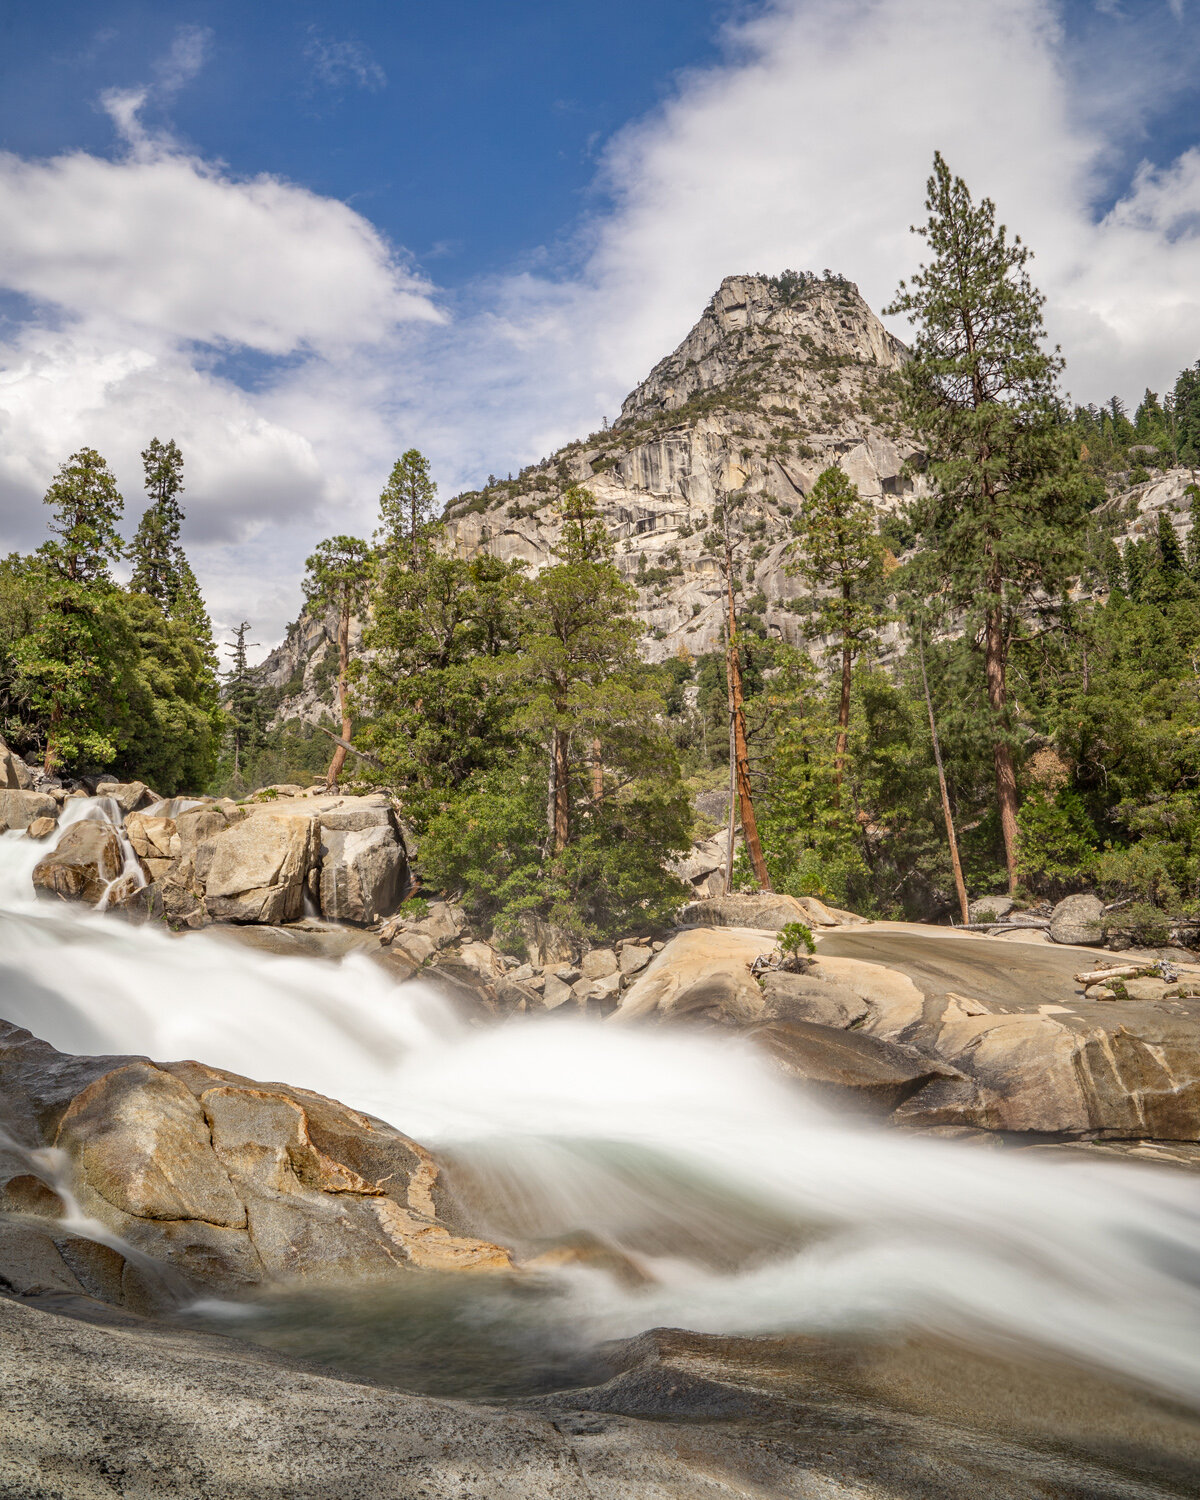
[[780, 378]]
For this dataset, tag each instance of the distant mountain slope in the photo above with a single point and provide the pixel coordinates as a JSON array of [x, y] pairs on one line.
[[779, 378]]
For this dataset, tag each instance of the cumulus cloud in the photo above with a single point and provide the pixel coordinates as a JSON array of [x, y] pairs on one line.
[[174, 245], [146, 274], [809, 147]]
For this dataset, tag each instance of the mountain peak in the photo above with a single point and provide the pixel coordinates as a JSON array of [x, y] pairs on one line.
[[753, 322]]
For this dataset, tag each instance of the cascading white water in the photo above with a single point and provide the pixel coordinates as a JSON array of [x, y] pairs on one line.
[[753, 1208]]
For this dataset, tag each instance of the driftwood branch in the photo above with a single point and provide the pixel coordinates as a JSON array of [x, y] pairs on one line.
[[997, 927], [346, 745]]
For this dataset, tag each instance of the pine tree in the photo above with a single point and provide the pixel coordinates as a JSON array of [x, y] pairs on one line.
[[155, 548], [407, 506], [1139, 564], [724, 543], [1187, 415], [243, 698], [70, 660], [584, 539], [87, 506], [338, 576], [840, 551], [187, 605], [1170, 548], [1004, 518], [1193, 542], [1113, 566]]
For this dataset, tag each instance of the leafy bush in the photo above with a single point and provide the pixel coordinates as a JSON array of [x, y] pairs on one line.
[[1057, 849], [1140, 923], [1144, 871]]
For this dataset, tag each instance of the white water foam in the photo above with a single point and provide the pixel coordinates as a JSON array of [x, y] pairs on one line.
[[752, 1208]]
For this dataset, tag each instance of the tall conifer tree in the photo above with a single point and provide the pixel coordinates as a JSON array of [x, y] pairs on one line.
[[840, 551], [1004, 516], [155, 548]]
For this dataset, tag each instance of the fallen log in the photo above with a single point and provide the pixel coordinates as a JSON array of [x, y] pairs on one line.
[[1032, 924], [1117, 971]]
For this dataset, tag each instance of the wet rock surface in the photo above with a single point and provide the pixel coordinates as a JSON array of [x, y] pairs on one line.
[[82, 864], [681, 1417], [218, 1183]]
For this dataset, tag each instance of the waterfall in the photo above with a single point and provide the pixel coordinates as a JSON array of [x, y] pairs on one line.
[[748, 1206]]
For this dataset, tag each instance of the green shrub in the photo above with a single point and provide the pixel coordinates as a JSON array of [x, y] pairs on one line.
[[1145, 871], [1057, 843], [794, 938], [1145, 926]]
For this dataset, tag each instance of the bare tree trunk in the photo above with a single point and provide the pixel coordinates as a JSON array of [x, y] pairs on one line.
[[562, 791], [959, 884], [597, 772], [839, 754], [732, 779], [339, 755], [551, 795], [741, 755], [1006, 777]]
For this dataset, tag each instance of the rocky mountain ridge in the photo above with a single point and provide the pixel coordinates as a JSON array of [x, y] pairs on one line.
[[779, 378]]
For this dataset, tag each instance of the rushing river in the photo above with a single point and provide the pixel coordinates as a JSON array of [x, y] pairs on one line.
[[725, 1200]]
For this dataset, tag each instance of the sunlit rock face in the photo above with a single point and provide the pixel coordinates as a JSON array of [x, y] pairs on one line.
[[772, 385]]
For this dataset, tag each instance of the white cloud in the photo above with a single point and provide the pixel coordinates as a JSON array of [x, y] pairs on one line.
[[338, 63], [144, 273], [175, 246], [808, 147]]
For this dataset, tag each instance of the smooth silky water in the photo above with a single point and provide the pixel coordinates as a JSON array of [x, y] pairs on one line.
[[705, 1191]]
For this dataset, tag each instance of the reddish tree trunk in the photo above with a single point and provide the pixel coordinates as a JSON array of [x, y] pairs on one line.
[[741, 756], [1006, 778], [959, 883], [339, 755], [562, 791]]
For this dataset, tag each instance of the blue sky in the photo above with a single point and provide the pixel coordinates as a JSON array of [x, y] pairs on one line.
[[301, 238], [467, 131]]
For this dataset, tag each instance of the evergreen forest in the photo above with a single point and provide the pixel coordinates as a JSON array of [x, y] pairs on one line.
[[992, 694]]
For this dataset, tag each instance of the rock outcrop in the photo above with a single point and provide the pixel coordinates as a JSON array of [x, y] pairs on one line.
[[774, 383], [19, 808], [1078, 920], [771, 386], [1085, 1069], [364, 871], [211, 1182], [83, 863], [15, 775], [127, 1408], [256, 870]]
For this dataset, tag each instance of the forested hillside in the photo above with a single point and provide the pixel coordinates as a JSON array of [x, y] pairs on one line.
[[915, 610]]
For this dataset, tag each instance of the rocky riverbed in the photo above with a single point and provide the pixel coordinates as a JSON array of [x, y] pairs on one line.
[[893, 1192]]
